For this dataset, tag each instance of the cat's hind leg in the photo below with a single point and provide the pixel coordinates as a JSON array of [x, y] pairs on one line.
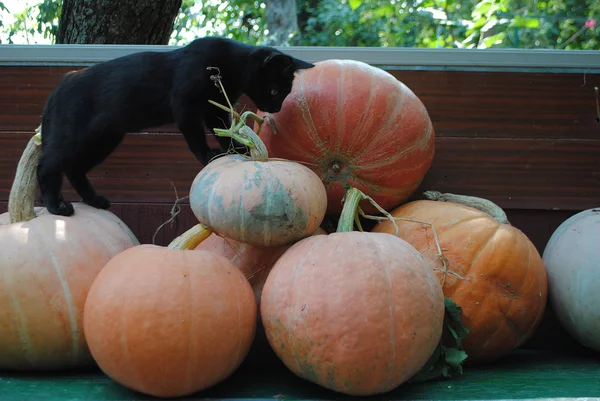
[[94, 153], [50, 177], [82, 185]]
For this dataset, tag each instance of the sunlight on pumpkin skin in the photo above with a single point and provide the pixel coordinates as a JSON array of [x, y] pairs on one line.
[[42, 325], [354, 124], [503, 289]]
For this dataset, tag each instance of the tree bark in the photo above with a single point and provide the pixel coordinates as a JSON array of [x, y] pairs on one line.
[[117, 21], [282, 21]]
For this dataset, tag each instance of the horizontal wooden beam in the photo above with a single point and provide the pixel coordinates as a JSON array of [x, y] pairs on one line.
[[398, 57], [461, 104], [514, 173]]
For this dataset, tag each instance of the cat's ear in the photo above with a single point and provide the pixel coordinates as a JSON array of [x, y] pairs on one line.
[[285, 63]]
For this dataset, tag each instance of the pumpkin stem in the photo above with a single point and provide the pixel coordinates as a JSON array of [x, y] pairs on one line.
[[191, 238], [21, 200], [480, 204], [351, 200], [239, 130]]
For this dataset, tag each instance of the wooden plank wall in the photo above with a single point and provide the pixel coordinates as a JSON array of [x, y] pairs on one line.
[[529, 141]]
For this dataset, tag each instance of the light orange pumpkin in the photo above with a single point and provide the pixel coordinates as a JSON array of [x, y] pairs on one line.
[[169, 322], [254, 261], [257, 200], [354, 125], [356, 312], [495, 274], [47, 266]]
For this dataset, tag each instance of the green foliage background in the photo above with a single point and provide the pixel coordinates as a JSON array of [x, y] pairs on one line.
[[546, 24]]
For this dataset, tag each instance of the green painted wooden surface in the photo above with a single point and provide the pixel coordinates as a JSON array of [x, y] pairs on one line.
[[522, 375]]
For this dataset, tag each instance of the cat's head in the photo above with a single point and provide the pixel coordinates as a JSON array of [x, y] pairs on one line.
[[273, 77]]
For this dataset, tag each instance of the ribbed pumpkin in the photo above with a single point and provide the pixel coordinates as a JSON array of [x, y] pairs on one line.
[[355, 312], [354, 125], [572, 259], [258, 201], [494, 272], [169, 322], [47, 266]]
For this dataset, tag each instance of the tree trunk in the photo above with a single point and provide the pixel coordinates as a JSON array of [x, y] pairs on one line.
[[137, 22], [282, 21]]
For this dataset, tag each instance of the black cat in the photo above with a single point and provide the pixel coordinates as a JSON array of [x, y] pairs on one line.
[[88, 114]]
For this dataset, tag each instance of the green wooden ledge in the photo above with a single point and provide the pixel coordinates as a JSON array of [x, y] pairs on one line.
[[521, 375]]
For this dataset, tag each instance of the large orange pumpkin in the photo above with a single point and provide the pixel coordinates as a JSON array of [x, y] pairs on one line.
[[169, 322], [354, 125], [356, 312], [258, 201], [47, 266], [494, 272]]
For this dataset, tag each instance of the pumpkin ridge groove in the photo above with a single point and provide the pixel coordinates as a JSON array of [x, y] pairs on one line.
[[69, 301], [340, 121], [391, 309], [477, 311], [506, 313], [523, 279], [490, 338], [191, 337], [302, 104], [484, 246], [442, 231], [360, 127], [239, 320], [125, 341], [384, 125], [420, 142], [23, 322], [293, 285]]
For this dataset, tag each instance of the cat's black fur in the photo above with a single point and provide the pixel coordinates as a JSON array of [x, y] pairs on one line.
[[88, 114]]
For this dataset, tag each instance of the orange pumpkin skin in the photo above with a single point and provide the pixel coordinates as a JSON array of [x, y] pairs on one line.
[[358, 313], [47, 266], [254, 261], [167, 322], [266, 203], [503, 296], [354, 124]]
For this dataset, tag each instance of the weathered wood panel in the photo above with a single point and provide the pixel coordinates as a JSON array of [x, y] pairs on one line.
[[515, 173], [461, 103]]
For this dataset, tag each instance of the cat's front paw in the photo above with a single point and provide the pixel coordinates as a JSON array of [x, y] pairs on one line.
[[99, 202], [64, 208]]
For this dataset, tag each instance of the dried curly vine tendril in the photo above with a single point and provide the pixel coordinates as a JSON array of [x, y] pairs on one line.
[[353, 192]]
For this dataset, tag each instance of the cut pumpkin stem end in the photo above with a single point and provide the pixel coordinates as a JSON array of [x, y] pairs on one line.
[[190, 239], [21, 201], [480, 204]]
